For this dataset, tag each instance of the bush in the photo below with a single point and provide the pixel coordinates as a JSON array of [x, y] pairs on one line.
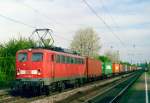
[[4, 84], [7, 58]]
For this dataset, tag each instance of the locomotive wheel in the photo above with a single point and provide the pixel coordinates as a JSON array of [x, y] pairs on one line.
[[39, 91], [76, 84], [79, 82], [61, 86], [48, 90], [20, 91], [35, 91]]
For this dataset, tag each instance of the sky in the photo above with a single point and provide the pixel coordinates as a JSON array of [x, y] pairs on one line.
[[128, 20]]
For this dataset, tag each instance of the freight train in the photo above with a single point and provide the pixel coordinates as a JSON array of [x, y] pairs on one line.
[[46, 70]]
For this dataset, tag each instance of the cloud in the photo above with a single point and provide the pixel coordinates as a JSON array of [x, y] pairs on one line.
[[67, 16]]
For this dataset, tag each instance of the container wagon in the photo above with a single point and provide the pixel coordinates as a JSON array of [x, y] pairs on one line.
[[121, 69], [106, 69], [94, 69], [125, 68], [115, 68]]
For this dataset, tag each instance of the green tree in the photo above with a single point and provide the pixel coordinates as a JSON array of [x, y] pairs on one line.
[[104, 59], [7, 56]]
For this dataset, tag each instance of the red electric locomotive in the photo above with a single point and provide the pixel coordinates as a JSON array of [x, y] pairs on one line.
[[48, 69]]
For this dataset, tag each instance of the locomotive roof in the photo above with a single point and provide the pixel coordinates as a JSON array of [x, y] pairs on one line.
[[48, 50]]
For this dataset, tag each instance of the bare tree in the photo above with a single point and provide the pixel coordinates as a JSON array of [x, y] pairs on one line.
[[114, 56], [86, 41]]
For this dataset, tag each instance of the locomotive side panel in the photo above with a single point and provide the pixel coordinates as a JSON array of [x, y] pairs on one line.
[[68, 67]]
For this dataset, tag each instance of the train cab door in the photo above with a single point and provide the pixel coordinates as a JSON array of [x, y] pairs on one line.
[[52, 66], [29, 64]]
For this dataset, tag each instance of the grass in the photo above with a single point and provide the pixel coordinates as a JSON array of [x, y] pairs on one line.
[[148, 72], [5, 84]]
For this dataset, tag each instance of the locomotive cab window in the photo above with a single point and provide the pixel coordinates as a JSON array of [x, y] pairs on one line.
[[68, 60], [71, 60], [57, 58], [52, 58], [22, 57], [62, 59], [37, 57], [82, 61]]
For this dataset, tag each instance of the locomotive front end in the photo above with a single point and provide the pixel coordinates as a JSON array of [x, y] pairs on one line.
[[29, 69]]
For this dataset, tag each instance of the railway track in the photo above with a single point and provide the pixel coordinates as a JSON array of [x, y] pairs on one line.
[[98, 93], [115, 99], [7, 98], [112, 94], [72, 95]]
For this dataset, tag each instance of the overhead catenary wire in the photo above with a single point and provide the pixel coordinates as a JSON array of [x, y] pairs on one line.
[[46, 16], [42, 14], [102, 20], [25, 24], [17, 21], [38, 12], [108, 12]]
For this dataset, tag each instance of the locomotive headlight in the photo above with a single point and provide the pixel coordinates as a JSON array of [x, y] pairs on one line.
[[29, 50], [34, 72], [39, 72], [22, 72], [18, 72]]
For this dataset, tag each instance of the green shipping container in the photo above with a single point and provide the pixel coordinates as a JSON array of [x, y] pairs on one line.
[[106, 68]]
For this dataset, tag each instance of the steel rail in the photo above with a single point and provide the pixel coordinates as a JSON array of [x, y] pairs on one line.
[[123, 90], [108, 90]]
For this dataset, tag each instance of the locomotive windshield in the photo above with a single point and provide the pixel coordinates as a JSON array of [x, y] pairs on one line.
[[22, 57], [37, 57]]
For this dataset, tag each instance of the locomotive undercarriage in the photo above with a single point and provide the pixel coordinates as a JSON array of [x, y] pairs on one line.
[[44, 86]]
